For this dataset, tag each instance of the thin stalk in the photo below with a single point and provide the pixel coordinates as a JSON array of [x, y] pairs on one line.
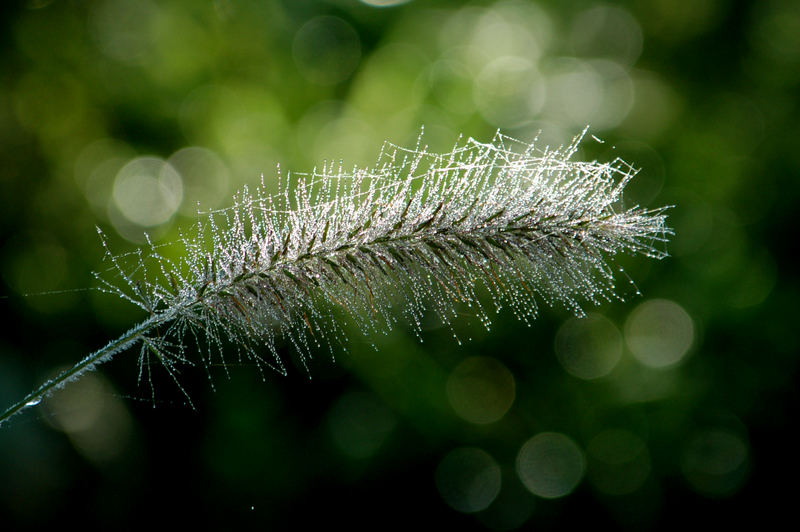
[[87, 364]]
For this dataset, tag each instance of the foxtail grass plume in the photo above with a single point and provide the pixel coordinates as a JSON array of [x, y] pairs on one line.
[[483, 227]]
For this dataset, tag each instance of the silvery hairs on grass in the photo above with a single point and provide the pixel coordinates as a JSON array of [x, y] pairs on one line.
[[422, 232]]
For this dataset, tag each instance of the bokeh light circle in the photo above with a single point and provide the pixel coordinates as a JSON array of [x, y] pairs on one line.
[[715, 462], [481, 390], [326, 50], [468, 479], [550, 465], [124, 29], [598, 92], [588, 348], [359, 424], [204, 176], [619, 462], [93, 416], [509, 91], [659, 332], [607, 31], [147, 191]]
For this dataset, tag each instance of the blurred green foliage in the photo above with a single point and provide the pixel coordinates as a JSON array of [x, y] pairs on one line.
[[674, 405]]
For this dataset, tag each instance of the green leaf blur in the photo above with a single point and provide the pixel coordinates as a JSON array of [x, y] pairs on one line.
[[669, 407]]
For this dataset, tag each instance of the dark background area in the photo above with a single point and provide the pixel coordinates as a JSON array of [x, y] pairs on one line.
[[688, 420]]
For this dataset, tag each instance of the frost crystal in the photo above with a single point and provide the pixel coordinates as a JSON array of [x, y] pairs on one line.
[[420, 232]]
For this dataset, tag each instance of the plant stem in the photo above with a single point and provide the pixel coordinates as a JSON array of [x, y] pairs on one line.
[[87, 364]]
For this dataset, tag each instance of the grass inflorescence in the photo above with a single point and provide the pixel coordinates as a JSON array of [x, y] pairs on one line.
[[420, 232]]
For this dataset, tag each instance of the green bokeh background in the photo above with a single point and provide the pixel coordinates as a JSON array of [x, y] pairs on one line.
[[701, 95]]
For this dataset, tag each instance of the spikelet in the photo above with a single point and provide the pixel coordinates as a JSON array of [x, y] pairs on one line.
[[421, 232]]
